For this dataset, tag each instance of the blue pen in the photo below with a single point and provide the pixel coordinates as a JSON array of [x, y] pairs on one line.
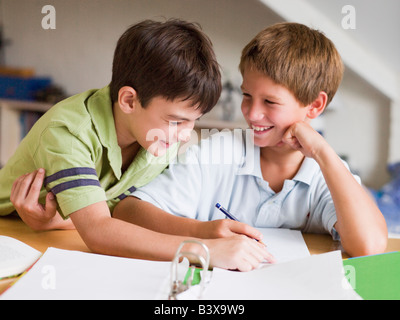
[[232, 217], [225, 212]]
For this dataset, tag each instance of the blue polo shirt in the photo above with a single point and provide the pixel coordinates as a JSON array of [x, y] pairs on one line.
[[226, 169]]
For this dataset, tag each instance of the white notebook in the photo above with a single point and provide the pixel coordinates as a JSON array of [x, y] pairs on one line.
[[15, 257]]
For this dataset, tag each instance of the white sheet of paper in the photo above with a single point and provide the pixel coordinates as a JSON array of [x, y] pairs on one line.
[[284, 244], [317, 277], [64, 274]]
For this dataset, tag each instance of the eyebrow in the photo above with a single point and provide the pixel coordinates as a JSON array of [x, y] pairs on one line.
[[267, 96], [176, 117]]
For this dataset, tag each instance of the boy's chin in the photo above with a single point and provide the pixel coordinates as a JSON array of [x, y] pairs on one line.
[[269, 144], [159, 152], [156, 150], [263, 143]]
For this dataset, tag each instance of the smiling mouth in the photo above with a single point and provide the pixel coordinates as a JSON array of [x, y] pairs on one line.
[[164, 144], [260, 129]]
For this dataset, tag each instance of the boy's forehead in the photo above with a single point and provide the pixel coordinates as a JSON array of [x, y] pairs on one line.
[[253, 77], [251, 66], [263, 84], [178, 109]]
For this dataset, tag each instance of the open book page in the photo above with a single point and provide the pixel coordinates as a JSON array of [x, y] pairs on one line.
[[15, 257]]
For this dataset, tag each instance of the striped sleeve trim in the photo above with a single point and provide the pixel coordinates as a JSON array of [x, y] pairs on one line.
[[68, 173], [123, 195], [73, 183]]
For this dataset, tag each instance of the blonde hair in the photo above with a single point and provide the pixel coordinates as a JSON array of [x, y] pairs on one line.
[[303, 60]]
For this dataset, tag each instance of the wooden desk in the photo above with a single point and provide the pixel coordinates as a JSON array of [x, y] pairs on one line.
[[70, 240], [13, 226]]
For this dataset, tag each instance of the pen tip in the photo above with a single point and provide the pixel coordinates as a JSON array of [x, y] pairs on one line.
[[217, 205]]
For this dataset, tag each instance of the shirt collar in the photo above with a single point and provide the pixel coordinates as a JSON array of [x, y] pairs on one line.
[[251, 166], [307, 170], [99, 106]]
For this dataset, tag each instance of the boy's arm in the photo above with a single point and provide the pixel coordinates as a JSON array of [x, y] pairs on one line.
[[360, 224], [147, 215], [106, 235], [24, 196]]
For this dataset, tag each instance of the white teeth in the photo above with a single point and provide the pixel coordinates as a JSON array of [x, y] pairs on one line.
[[260, 128]]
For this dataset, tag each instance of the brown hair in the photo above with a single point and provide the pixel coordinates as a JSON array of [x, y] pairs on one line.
[[173, 59], [297, 57]]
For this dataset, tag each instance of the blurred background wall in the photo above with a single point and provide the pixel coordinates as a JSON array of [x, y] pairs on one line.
[[360, 124]]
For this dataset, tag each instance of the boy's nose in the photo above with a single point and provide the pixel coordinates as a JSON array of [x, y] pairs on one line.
[[185, 134], [255, 113]]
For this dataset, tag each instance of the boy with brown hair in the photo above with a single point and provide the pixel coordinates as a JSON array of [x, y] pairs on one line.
[[287, 175], [97, 147]]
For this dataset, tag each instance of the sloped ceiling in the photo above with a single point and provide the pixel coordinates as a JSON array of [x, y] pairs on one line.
[[372, 49], [377, 25]]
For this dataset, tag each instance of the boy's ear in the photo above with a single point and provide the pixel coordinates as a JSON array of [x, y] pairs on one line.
[[317, 106], [127, 99]]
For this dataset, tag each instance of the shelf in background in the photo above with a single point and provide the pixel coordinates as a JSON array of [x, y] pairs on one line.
[[23, 105], [10, 126]]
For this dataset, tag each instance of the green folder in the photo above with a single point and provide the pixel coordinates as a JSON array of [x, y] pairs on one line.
[[375, 277]]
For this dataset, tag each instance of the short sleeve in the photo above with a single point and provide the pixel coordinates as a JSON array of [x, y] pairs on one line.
[[323, 213], [70, 170]]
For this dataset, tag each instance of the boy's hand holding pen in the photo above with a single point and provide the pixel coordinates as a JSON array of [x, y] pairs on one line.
[[232, 217]]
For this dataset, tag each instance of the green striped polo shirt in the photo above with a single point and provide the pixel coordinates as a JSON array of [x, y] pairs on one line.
[[76, 143]]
